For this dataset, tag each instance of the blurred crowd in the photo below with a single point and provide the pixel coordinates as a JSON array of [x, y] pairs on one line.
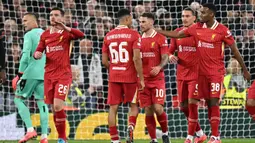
[[97, 17]]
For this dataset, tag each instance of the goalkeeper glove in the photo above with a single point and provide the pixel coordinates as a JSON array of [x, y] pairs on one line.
[[15, 80]]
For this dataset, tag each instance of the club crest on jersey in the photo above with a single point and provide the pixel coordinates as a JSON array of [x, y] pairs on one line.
[[152, 44], [213, 36], [60, 39]]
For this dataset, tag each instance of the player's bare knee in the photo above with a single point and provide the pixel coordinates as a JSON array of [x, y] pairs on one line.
[[57, 107], [250, 102], [193, 101], [158, 109], [134, 110], [114, 108], [149, 111]]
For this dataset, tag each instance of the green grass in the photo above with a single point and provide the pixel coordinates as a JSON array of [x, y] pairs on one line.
[[141, 141]]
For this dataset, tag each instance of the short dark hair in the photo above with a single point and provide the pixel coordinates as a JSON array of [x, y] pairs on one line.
[[148, 15], [59, 9], [211, 7], [191, 10], [123, 12]]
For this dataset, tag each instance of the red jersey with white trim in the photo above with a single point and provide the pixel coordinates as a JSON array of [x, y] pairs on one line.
[[58, 46], [211, 44], [187, 67], [153, 47], [119, 44]]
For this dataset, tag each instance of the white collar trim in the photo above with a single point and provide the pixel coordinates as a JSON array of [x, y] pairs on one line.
[[152, 34], [121, 27], [214, 26]]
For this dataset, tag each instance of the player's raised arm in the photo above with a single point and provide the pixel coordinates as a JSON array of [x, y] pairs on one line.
[[40, 48], [74, 33]]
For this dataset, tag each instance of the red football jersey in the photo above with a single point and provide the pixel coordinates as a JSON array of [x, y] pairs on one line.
[[211, 44], [153, 47], [58, 46], [187, 67], [119, 44]]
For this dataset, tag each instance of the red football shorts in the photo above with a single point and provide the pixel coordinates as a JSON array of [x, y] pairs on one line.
[[153, 93], [187, 90], [122, 92], [210, 86], [56, 89], [251, 92]]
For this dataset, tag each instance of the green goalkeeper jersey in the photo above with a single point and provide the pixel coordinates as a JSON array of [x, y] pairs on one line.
[[31, 68]]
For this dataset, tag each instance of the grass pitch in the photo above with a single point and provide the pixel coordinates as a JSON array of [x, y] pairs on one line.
[[139, 141]]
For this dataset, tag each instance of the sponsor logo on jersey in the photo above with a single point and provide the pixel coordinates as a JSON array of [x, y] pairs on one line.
[[54, 49], [205, 44], [148, 54], [186, 48]]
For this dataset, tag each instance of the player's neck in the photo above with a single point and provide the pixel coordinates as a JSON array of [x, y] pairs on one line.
[[188, 25], [122, 25], [53, 29], [149, 32], [210, 23]]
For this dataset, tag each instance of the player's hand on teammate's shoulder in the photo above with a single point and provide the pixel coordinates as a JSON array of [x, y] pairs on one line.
[[247, 75], [155, 70], [173, 59], [38, 55]]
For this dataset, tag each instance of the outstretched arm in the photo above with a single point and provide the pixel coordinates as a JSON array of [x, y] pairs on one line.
[[173, 34]]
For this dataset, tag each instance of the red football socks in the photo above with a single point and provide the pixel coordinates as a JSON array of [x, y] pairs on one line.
[[251, 111], [193, 119], [162, 119], [60, 123], [151, 126], [114, 133], [185, 110], [215, 120], [132, 121]]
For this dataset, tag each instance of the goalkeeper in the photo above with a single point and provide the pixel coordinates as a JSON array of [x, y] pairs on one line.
[[30, 79]]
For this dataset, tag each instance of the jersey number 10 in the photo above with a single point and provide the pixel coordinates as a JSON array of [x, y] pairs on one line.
[[120, 55]]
